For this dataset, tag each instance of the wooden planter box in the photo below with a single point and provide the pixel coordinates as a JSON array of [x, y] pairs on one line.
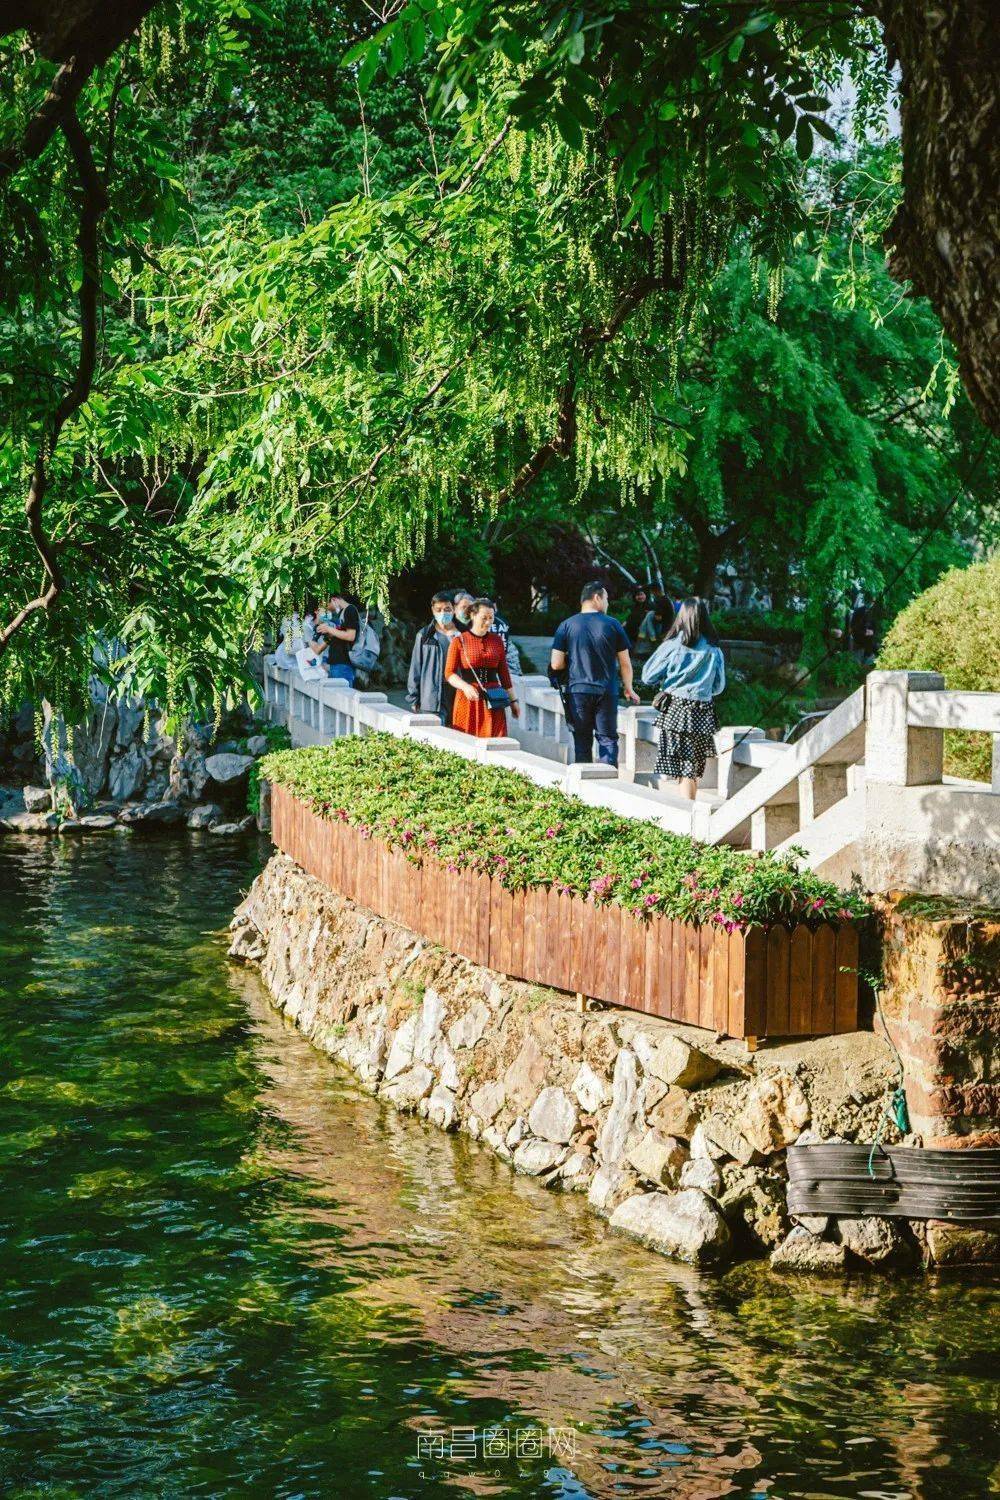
[[774, 982]]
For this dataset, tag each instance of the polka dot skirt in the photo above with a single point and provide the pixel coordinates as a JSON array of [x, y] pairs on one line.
[[687, 737]]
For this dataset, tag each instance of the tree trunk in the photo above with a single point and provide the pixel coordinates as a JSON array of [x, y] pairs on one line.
[[711, 547], [945, 238], [62, 29]]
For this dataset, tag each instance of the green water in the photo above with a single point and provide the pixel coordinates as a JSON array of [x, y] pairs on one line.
[[225, 1271]]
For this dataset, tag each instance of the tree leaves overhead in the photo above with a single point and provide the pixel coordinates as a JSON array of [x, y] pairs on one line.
[[686, 98]]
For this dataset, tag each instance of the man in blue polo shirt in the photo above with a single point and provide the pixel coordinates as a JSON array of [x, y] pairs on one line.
[[588, 652]]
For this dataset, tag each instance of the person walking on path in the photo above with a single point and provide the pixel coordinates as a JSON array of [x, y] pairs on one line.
[[588, 652], [427, 690], [477, 669], [690, 673]]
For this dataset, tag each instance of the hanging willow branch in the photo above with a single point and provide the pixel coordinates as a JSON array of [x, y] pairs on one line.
[[93, 206], [560, 444]]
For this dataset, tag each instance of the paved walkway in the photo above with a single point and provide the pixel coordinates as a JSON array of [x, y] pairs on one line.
[[534, 651]]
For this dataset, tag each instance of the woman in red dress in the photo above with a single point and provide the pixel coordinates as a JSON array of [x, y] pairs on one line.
[[477, 660]]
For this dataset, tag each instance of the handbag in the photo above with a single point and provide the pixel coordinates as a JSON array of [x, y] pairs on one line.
[[497, 697], [662, 701]]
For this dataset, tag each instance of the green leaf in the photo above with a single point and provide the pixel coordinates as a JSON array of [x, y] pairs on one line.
[[803, 140], [823, 128]]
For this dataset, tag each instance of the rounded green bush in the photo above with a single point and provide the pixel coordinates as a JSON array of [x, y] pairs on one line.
[[954, 628]]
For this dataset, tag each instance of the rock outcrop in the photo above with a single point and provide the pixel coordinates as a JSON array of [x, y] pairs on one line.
[[120, 763], [676, 1136]]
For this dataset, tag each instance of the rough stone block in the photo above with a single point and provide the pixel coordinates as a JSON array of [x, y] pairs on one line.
[[534, 1157], [873, 1239], [802, 1251], [553, 1116], [686, 1225], [674, 1061], [658, 1158]]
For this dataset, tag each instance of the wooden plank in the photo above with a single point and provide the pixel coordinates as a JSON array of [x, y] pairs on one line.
[[800, 991], [500, 930], [612, 973], [651, 966], [663, 929], [755, 1016], [540, 945], [517, 935], [692, 948], [824, 979], [678, 975], [545, 938], [736, 988], [720, 980], [634, 947], [558, 940], [530, 955], [845, 1003], [479, 915], [551, 955], [584, 941], [600, 962], [623, 928], [776, 989], [706, 976]]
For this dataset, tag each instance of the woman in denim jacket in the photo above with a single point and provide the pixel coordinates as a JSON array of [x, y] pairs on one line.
[[690, 673]]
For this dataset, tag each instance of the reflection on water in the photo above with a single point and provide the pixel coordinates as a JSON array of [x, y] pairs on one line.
[[226, 1271]]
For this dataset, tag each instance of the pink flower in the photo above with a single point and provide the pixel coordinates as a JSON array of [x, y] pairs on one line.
[[737, 899], [649, 901], [844, 914], [550, 833], [636, 884], [819, 903]]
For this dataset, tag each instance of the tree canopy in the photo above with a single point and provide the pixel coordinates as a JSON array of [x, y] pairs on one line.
[[266, 319]]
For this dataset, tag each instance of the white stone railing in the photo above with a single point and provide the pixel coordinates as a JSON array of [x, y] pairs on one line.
[[320, 711], [939, 709], [861, 793]]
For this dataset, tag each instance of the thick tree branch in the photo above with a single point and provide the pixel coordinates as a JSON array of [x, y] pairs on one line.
[[79, 35], [93, 205]]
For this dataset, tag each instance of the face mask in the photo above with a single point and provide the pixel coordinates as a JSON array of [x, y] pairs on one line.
[[445, 617], [463, 615]]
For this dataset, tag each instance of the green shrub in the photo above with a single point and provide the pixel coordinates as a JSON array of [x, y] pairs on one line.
[[432, 804], [954, 628]]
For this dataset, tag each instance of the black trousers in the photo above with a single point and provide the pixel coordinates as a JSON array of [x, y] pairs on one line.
[[594, 714]]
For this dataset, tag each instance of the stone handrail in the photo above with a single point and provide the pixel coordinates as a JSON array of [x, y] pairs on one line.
[[953, 710], [839, 737]]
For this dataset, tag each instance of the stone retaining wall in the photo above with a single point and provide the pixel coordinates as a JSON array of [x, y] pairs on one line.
[[677, 1136]]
